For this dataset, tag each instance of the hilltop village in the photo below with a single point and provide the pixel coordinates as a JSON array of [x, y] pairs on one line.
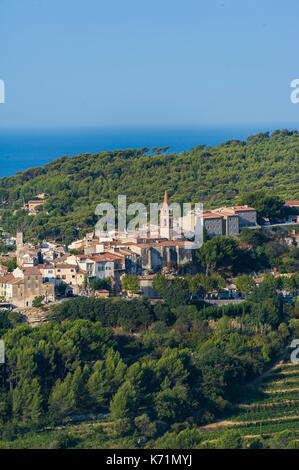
[[96, 266], [148, 337]]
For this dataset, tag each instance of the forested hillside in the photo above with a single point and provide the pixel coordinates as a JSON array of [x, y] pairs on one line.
[[136, 369], [212, 175]]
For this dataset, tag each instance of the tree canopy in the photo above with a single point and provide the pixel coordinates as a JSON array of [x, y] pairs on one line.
[[225, 174]]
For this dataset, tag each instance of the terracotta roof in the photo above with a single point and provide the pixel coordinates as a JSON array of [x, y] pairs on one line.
[[113, 256], [239, 208], [100, 259], [165, 202], [30, 270], [105, 257], [65, 266], [291, 203], [148, 238], [10, 277], [5, 279], [16, 280], [124, 252], [211, 216], [226, 212], [162, 243], [174, 243], [142, 245]]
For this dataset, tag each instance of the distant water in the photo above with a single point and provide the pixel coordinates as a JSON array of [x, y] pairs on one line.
[[22, 149]]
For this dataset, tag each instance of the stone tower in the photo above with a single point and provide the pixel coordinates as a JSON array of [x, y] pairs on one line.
[[166, 220], [19, 240], [19, 247]]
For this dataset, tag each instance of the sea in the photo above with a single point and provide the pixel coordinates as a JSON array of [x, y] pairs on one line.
[[25, 148]]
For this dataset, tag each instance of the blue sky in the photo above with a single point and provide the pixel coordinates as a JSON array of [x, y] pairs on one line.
[[144, 62]]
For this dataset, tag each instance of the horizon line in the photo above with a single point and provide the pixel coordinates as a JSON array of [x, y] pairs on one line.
[[281, 125]]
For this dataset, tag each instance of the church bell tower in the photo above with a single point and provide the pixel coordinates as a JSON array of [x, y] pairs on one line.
[[166, 220]]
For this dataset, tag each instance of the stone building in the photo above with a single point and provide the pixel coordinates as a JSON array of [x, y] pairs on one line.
[[31, 206], [101, 266], [27, 254], [4, 280], [225, 221], [156, 254], [230, 222], [213, 223], [166, 220], [62, 273], [25, 284], [247, 215], [3, 270]]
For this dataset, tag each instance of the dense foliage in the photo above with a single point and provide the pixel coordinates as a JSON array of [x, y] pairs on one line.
[[160, 371], [168, 363], [214, 175]]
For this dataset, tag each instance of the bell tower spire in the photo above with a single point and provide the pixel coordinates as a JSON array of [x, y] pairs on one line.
[[165, 202], [166, 219]]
